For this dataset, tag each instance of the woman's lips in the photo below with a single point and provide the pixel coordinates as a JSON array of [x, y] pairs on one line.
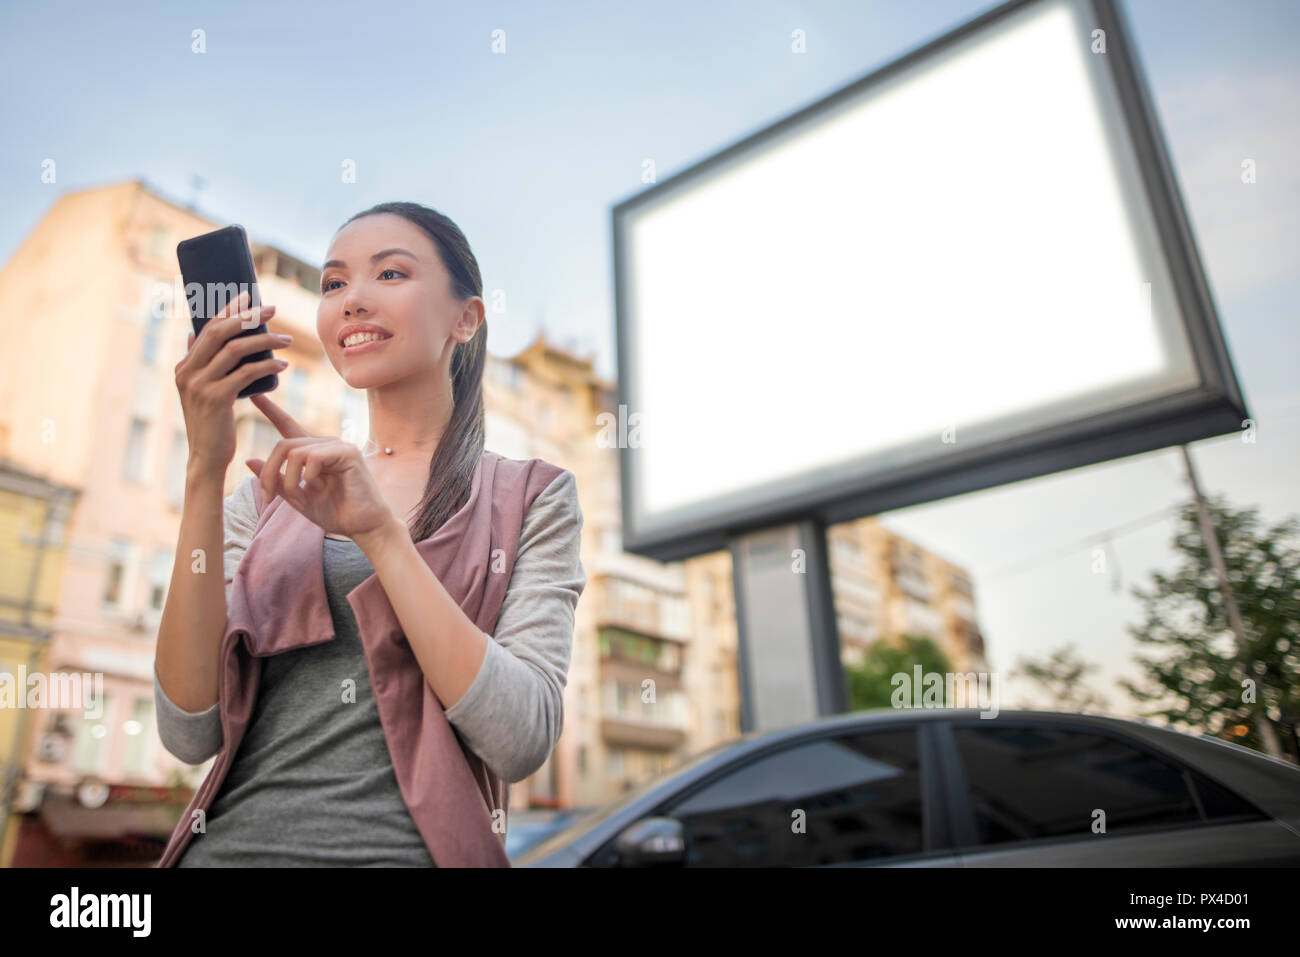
[[364, 347]]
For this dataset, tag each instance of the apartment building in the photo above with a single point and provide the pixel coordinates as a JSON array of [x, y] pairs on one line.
[[33, 520], [886, 586]]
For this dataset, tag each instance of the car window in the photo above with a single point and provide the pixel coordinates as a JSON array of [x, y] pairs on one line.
[[1029, 782], [830, 801], [1220, 804]]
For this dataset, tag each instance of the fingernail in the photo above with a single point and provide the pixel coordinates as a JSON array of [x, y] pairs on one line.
[[283, 337], [283, 362]]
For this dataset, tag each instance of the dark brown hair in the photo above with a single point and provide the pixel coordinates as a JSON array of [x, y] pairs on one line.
[[451, 473]]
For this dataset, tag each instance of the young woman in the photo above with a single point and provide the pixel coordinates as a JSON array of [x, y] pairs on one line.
[[323, 769]]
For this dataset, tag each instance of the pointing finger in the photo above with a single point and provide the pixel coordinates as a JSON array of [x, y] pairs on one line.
[[286, 424]]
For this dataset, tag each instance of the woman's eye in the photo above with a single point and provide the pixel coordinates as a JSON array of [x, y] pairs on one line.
[[327, 285]]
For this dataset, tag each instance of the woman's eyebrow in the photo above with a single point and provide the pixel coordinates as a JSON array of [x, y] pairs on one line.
[[375, 258]]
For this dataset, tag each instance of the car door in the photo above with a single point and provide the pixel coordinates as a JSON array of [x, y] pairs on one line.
[[1034, 793], [846, 799]]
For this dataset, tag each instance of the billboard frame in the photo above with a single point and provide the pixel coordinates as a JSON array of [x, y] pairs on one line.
[[1215, 407]]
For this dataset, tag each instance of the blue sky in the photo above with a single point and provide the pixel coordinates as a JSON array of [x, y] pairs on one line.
[[528, 151]]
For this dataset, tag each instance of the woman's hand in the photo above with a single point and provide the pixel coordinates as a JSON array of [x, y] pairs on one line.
[[208, 387], [324, 478]]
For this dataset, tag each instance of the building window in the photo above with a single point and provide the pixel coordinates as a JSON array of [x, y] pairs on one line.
[[152, 334], [133, 461], [56, 524], [176, 464], [158, 242], [846, 550], [139, 736], [118, 563], [914, 584], [862, 592], [92, 740], [963, 608], [159, 576], [923, 619]]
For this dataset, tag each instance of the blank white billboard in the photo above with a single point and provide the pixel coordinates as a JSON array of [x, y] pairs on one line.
[[967, 268]]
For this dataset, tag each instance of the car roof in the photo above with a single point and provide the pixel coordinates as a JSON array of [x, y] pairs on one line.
[[1271, 783], [883, 717]]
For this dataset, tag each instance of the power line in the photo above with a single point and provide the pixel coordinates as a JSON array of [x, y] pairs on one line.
[[1106, 535], [1101, 537]]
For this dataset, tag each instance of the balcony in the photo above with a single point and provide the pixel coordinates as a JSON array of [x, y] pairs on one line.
[[638, 734], [630, 655], [628, 719], [913, 584], [631, 607]]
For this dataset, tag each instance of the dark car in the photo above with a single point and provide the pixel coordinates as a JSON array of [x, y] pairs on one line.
[[947, 787]]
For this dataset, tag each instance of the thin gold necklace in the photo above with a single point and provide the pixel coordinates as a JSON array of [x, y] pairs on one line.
[[371, 448]]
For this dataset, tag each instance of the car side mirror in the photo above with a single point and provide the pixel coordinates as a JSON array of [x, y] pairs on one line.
[[652, 842]]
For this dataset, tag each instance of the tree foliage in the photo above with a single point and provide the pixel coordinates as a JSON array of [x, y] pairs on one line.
[[1195, 675], [1061, 676], [871, 682]]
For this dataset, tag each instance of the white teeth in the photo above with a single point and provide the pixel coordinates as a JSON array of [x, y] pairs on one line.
[[359, 337]]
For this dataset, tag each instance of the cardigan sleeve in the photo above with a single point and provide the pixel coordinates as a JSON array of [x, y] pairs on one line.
[[195, 736], [513, 712]]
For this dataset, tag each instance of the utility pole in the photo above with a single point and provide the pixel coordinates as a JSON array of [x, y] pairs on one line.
[[1267, 733]]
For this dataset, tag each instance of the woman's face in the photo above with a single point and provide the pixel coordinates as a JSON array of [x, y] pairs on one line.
[[404, 295]]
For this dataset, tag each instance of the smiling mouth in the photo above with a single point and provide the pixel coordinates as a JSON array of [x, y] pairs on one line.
[[361, 338]]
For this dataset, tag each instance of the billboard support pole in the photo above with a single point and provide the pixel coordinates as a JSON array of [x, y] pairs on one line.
[[1267, 733], [788, 642]]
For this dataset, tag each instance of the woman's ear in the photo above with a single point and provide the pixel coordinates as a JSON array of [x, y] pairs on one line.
[[470, 319]]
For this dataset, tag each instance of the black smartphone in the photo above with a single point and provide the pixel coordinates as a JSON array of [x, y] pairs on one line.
[[217, 268]]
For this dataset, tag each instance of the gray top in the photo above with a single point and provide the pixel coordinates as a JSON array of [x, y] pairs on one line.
[[313, 783]]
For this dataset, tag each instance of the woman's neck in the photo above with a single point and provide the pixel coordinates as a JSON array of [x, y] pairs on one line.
[[408, 419]]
